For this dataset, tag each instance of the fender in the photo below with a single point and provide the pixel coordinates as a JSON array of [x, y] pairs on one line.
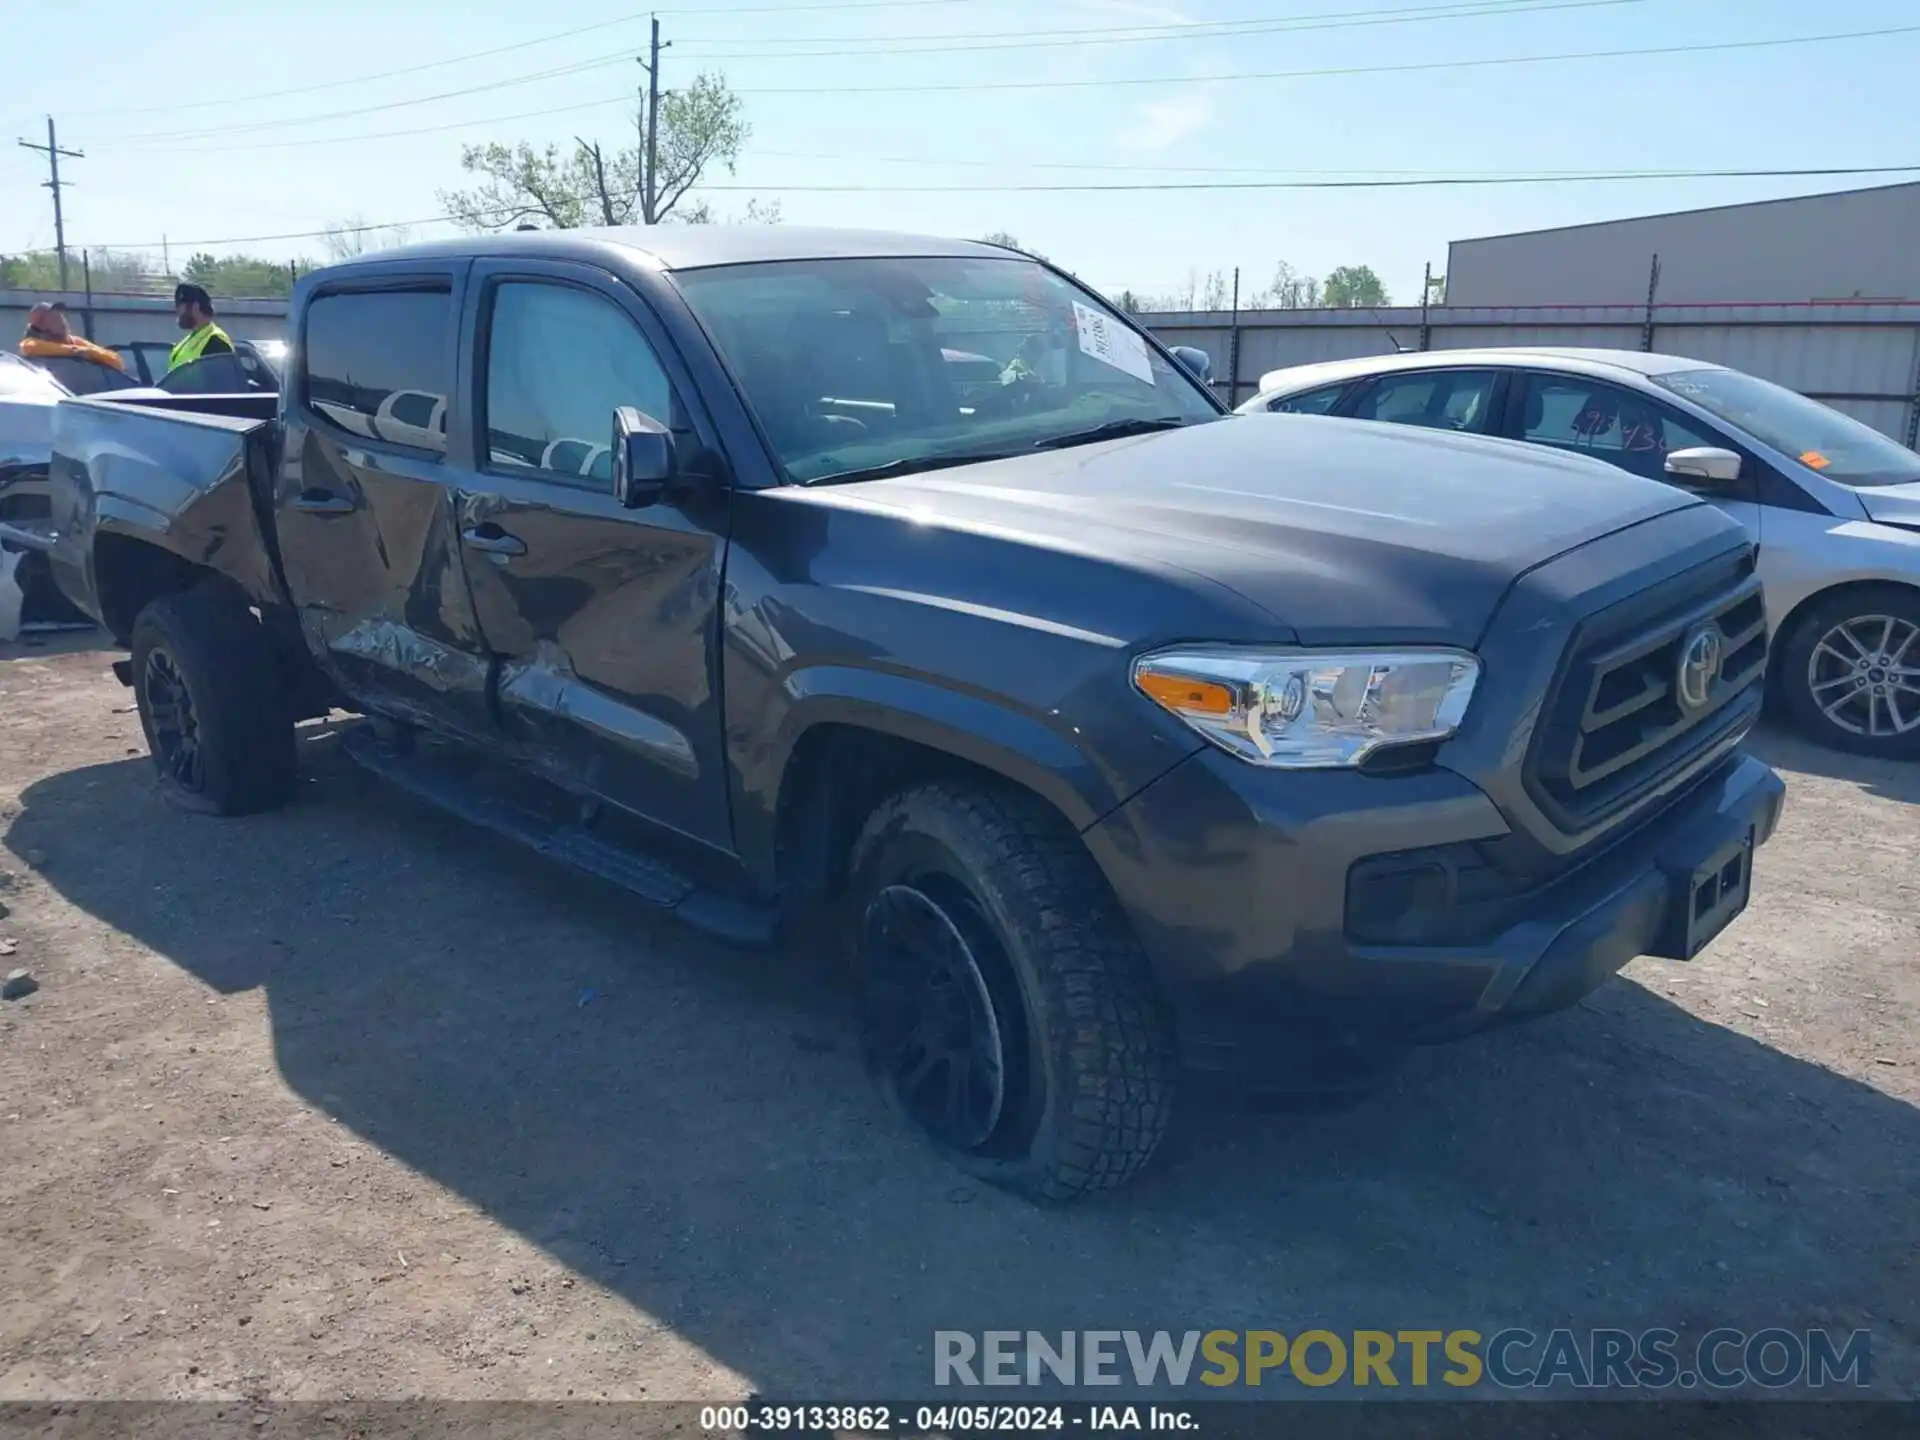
[[1037, 751], [185, 486]]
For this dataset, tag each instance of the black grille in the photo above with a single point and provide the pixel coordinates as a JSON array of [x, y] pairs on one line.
[[1617, 721]]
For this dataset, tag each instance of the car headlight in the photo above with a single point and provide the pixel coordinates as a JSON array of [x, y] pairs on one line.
[[1311, 709]]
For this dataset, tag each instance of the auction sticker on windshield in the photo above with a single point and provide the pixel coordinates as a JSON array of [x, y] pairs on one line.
[[1111, 343]]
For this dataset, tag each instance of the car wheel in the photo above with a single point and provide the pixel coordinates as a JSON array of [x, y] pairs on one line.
[[1849, 671], [205, 684], [1007, 1009]]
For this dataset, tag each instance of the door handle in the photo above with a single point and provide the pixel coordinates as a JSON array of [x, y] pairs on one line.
[[322, 502], [490, 539]]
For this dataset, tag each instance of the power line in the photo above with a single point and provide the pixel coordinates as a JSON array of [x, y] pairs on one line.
[[504, 50], [1198, 28], [1419, 14], [572, 109], [1349, 183], [366, 79], [1328, 183], [1335, 72], [555, 72], [1637, 52], [1213, 30]]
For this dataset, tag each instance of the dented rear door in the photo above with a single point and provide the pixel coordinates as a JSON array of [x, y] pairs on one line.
[[363, 503]]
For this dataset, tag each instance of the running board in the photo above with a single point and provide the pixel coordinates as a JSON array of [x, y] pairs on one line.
[[448, 786]]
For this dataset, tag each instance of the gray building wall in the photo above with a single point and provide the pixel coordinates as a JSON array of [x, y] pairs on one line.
[[1862, 244]]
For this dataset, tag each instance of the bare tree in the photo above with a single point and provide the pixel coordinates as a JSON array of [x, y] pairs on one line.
[[344, 239]]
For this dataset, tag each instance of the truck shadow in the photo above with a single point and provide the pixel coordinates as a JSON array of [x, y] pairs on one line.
[[689, 1127]]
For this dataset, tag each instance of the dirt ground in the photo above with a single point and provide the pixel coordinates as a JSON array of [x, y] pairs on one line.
[[348, 1101]]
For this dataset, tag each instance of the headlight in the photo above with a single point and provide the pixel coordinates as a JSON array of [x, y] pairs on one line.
[[1309, 709]]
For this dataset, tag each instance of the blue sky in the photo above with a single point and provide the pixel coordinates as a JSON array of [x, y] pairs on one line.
[[1139, 109]]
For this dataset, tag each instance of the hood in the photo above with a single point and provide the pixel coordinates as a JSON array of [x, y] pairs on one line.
[[1892, 504], [1345, 532]]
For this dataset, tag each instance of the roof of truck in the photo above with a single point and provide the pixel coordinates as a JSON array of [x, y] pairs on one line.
[[687, 247]]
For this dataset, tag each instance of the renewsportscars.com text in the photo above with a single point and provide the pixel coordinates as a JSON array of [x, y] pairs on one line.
[[1510, 1359]]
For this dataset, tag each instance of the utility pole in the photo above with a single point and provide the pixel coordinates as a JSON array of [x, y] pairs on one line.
[[650, 155], [53, 152]]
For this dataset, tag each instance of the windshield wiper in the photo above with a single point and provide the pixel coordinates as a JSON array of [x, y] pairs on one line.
[[909, 465], [1111, 430]]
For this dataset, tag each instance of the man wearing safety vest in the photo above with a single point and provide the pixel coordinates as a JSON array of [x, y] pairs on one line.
[[193, 307]]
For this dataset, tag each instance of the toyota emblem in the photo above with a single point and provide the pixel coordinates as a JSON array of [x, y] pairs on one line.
[[1699, 669]]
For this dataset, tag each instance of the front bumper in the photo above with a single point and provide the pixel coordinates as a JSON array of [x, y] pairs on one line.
[[1238, 882]]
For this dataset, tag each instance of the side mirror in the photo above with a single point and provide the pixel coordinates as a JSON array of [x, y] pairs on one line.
[[1198, 362], [1704, 466], [643, 459]]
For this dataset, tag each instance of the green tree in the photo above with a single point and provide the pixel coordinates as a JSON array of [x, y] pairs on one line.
[[236, 276], [109, 272], [1352, 287], [703, 127]]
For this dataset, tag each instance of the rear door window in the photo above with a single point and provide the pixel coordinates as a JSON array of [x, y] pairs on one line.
[[1310, 402], [1432, 399], [1591, 417], [376, 364]]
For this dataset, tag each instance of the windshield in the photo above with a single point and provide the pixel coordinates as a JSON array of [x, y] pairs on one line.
[[1820, 438], [856, 366]]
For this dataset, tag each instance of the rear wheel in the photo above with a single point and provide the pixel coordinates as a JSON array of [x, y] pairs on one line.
[[216, 723], [1849, 671], [1007, 1009]]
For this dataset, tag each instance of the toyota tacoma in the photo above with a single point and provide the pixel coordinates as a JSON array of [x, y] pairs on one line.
[[1117, 733]]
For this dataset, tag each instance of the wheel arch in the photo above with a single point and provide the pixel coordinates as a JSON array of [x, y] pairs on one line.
[[863, 736], [131, 571], [1784, 630]]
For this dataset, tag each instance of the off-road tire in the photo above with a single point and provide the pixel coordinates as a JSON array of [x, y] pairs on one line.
[[219, 652], [1098, 1039], [1793, 654]]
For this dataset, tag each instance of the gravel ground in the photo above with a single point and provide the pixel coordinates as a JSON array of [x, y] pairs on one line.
[[348, 1101]]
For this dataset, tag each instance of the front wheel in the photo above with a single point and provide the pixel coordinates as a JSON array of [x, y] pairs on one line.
[[1007, 1008], [1849, 671], [209, 699]]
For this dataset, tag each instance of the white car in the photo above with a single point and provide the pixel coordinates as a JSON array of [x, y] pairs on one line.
[[1833, 505]]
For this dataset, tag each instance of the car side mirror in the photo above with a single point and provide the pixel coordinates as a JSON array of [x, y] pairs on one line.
[[1197, 361], [1704, 466], [643, 458]]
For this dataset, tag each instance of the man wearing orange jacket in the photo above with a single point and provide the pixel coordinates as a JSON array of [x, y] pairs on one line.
[[49, 337]]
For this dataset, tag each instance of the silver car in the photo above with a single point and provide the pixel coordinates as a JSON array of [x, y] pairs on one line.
[[1833, 506]]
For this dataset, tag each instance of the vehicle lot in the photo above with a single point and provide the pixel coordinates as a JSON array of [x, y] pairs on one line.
[[349, 1100]]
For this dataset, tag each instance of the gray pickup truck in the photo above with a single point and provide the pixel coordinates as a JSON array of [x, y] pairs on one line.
[[1112, 730]]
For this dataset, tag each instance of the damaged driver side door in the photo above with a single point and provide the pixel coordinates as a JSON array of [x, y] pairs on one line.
[[602, 616]]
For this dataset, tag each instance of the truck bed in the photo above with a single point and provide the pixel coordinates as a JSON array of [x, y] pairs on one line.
[[188, 474]]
